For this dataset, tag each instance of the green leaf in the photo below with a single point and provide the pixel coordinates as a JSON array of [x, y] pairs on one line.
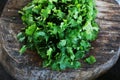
[[73, 23], [23, 49], [85, 44], [90, 31], [36, 9], [76, 64], [70, 51], [60, 14], [55, 66], [64, 1], [21, 37], [64, 62], [63, 65], [79, 20], [38, 34], [79, 55], [62, 43], [28, 7], [53, 1], [45, 13], [46, 63], [30, 30], [49, 53], [90, 60]]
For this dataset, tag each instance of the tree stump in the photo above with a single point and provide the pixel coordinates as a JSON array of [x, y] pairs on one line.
[[106, 48]]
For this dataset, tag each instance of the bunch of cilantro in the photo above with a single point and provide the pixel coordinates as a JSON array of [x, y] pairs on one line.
[[60, 31]]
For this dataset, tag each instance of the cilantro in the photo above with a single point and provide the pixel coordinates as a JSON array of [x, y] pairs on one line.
[[60, 31], [23, 49], [90, 60]]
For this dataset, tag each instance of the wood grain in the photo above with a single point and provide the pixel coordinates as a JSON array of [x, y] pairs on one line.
[[106, 48]]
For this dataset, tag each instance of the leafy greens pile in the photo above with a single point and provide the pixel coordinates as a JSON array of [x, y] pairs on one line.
[[60, 31]]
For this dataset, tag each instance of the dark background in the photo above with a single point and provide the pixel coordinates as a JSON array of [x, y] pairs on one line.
[[2, 3], [112, 74]]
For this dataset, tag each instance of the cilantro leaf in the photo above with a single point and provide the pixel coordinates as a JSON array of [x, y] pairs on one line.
[[90, 60]]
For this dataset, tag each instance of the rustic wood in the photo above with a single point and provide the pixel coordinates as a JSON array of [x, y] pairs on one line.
[[26, 67]]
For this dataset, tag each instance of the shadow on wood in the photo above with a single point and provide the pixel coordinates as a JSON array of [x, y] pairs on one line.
[[2, 4]]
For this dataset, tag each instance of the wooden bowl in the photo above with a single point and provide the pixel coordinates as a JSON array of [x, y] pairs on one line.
[[106, 48]]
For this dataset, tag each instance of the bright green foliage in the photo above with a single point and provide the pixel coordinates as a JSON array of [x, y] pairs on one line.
[[60, 31], [90, 60], [23, 49]]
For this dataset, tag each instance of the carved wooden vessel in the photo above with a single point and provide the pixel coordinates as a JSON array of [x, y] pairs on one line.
[[26, 67]]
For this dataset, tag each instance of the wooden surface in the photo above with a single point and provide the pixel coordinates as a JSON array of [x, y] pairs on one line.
[[106, 47]]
